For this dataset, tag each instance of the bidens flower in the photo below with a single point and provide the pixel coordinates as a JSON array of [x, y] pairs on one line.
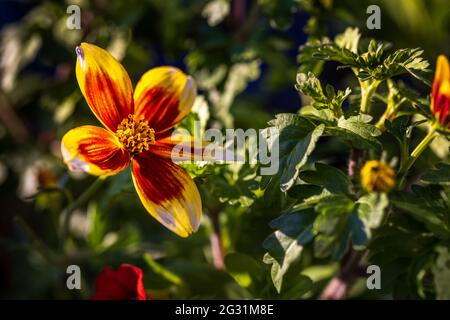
[[123, 284], [377, 176], [138, 127], [440, 94]]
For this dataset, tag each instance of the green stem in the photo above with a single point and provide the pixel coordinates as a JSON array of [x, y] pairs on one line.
[[82, 199], [404, 151], [381, 98], [416, 153], [390, 110], [366, 94]]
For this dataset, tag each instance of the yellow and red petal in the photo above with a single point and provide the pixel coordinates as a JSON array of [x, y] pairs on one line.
[[164, 96], [440, 94], [179, 147], [93, 150], [105, 85], [167, 192]]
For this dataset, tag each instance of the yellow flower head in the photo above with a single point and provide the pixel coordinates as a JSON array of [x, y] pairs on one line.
[[377, 176], [137, 132]]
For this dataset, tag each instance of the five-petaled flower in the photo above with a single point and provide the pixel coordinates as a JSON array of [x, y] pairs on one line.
[[440, 94], [123, 284], [377, 176], [138, 131]]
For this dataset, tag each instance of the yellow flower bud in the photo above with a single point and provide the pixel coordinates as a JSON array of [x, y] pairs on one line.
[[377, 176]]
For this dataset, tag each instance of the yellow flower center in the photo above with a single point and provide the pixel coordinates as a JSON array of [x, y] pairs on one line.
[[135, 135], [377, 176]]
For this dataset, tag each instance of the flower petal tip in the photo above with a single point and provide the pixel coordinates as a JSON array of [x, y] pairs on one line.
[[168, 193], [80, 55], [93, 150], [164, 96], [440, 93], [442, 58], [105, 84]]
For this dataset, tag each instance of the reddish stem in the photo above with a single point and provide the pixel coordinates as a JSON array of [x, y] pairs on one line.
[[216, 243]]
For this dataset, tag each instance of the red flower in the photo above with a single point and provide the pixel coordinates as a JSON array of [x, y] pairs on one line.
[[440, 94], [123, 284]]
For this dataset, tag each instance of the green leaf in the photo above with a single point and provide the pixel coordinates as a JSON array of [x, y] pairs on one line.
[[307, 203], [236, 187], [306, 60], [285, 245], [331, 211], [298, 156], [286, 121], [371, 210], [127, 236], [303, 191], [325, 116], [373, 64], [163, 271], [426, 205], [331, 225], [295, 137], [398, 127], [243, 268], [336, 224], [349, 39], [357, 131], [344, 50], [406, 60], [357, 231], [309, 85], [398, 248], [296, 288], [332, 52], [97, 225], [328, 177], [442, 274], [238, 77], [203, 280], [440, 175]]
